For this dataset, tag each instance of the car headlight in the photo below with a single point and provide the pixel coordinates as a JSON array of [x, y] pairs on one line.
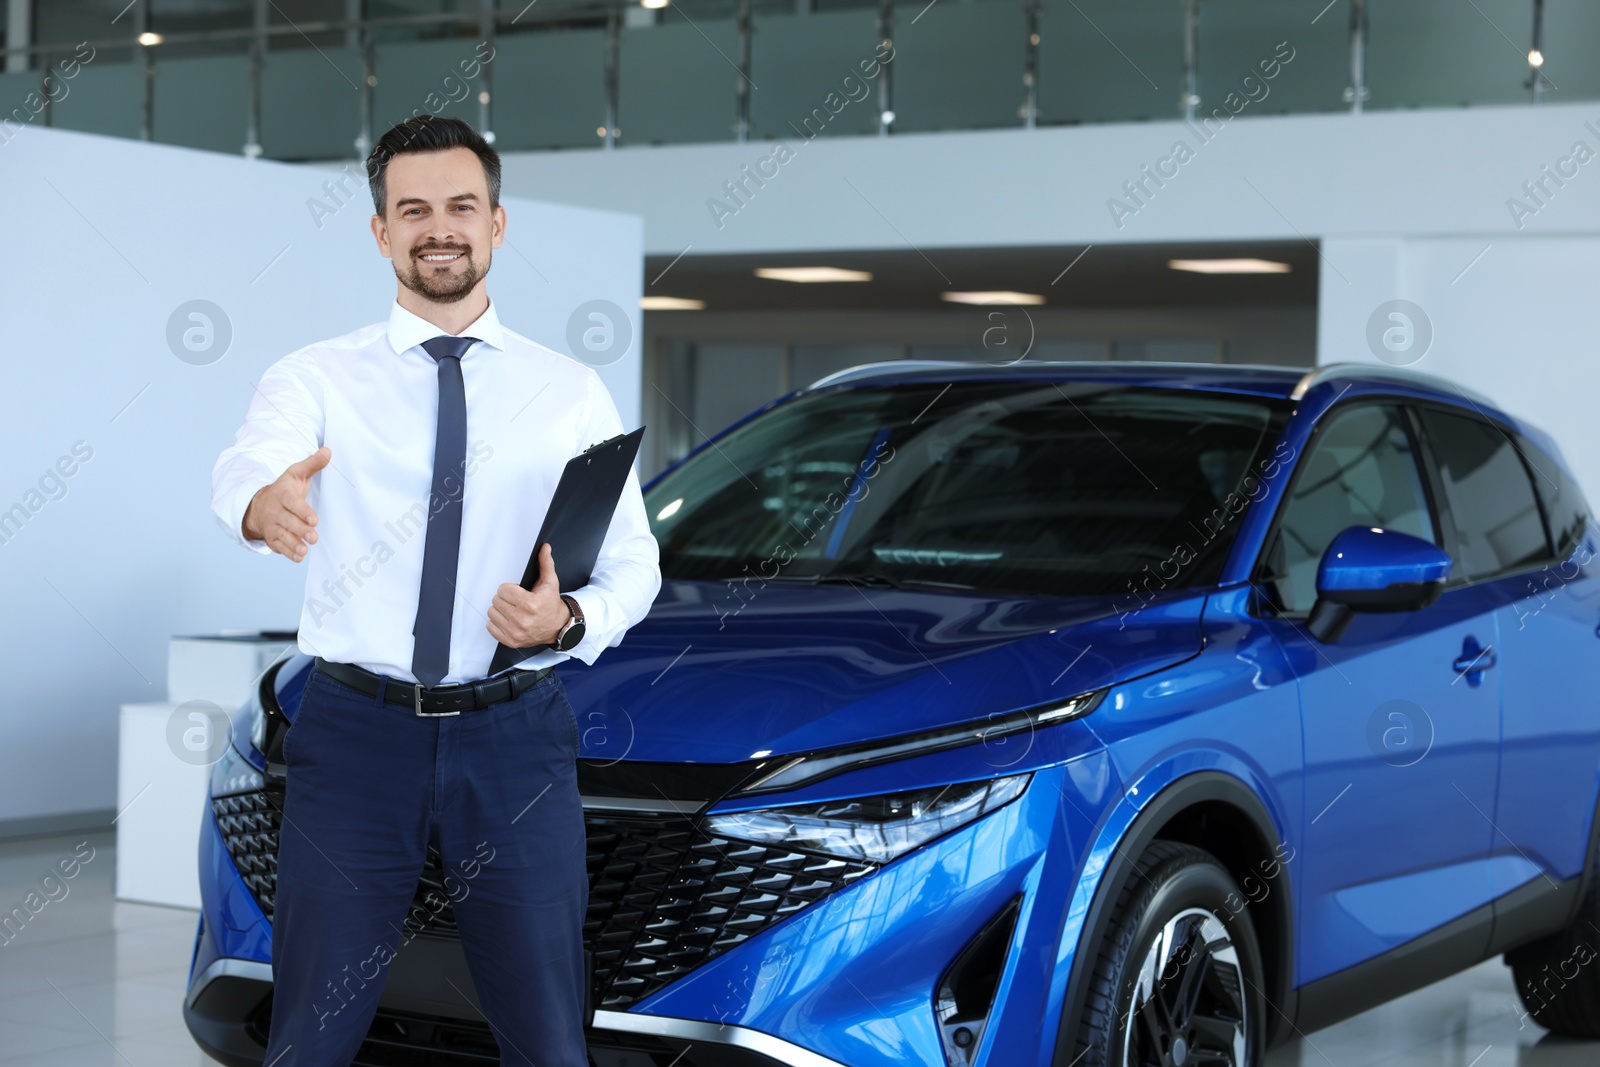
[[233, 774], [876, 829]]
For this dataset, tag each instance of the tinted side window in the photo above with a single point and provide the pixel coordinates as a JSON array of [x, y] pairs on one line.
[[1497, 519], [1359, 471], [1564, 503]]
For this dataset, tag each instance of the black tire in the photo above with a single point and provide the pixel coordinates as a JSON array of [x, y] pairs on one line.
[[1558, 977], [1203, 1005]]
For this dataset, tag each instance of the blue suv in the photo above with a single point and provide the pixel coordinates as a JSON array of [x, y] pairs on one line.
[[1110, 715]]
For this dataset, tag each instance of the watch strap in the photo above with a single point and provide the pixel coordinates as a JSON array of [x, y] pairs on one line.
[[574, 607], [575, 619]]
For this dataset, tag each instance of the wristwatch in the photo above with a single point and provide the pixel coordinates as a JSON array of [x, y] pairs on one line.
[[571, 633]]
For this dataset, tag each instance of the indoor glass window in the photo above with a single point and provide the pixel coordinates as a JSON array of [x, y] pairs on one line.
[[1498, 526], [1360, 471]]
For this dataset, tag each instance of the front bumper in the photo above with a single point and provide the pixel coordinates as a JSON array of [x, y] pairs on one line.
[[716, 953], [229, 1008]]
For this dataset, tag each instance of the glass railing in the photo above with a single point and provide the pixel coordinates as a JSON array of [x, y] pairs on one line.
[[577, 73]]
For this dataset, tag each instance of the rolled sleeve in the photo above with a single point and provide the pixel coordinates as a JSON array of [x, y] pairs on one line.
[[283, 425], [627, 571]]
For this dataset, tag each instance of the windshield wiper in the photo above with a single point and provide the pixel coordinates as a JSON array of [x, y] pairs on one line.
[[882, 581]]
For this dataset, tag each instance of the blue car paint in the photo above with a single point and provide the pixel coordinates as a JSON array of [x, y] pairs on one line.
[[1419, 780], [231, 923], [1363, 558], [853, 664], [1199, 683], [1233, 710], [860, 960], [1550, 673]]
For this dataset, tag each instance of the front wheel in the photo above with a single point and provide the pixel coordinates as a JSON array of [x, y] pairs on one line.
[[1177, 980]]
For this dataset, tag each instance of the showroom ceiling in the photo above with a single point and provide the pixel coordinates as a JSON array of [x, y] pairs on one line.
[[909, 279]]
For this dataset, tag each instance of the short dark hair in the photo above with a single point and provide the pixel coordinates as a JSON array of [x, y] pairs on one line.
[[429, 133]]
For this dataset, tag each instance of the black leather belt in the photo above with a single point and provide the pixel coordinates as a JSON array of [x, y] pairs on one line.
[[440, 699]]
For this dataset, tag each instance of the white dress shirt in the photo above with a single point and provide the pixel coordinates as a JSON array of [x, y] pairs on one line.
[[372, 396]]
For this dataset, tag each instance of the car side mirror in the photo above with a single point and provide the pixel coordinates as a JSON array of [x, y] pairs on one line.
[[1368, 569]]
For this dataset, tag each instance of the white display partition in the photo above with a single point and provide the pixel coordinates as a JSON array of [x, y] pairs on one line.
[[222, 668], [165, 754], [161, 804], [119, 401]]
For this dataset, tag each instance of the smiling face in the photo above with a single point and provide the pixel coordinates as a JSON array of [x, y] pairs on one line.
[[438, 229]]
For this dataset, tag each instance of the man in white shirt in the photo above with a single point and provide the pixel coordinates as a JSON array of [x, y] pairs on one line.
[[408, 464]]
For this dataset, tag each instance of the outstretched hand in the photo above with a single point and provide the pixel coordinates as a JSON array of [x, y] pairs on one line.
[[279, 515], [523, 618]]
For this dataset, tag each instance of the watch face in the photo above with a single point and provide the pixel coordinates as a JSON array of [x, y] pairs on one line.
[[573, 635]]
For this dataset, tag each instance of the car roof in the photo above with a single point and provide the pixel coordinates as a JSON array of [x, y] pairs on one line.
[[1276, 382], [1287, 383]]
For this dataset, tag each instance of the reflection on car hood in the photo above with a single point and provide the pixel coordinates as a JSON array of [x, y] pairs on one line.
[[799, 667]]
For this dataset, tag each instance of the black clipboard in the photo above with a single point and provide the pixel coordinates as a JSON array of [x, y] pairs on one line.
[[576, 523]]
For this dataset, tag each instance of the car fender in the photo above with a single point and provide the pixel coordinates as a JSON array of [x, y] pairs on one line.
[[1591, 855], [1129, 826]]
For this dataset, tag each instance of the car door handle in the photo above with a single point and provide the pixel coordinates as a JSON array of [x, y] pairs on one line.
[[1475, 662]]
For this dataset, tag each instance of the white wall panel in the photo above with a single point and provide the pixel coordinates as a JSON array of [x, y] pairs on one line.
[[109, 237]]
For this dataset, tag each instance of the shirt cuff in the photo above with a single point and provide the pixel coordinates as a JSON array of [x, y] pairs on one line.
[[592, 601], [238, 505]]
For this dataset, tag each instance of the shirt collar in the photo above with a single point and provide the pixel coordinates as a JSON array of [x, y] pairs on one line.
[[408, 330]]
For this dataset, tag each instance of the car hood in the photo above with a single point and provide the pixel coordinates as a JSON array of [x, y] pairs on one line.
[[708, 677]]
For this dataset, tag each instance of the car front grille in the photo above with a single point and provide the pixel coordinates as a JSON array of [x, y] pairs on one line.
[[664, 895]]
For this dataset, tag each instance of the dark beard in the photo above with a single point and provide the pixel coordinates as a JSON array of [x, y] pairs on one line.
[[441, 289]]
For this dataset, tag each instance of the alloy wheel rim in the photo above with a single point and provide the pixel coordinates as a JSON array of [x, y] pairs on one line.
[[1189, 1007]]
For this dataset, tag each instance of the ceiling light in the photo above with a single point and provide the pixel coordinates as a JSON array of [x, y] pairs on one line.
[[1229, 266], [996, 296], [148, 38], [1535, 58], [653, 3], [670, 303], [813, 274]]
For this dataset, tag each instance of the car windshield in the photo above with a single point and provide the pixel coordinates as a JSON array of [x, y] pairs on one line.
[[1017, 487]]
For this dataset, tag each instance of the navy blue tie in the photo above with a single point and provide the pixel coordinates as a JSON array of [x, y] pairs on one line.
[[430, 655]]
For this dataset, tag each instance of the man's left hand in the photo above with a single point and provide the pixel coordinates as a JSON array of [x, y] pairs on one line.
[[523, 618]]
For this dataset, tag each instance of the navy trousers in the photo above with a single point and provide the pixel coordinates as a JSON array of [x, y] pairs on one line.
[[370, 786]]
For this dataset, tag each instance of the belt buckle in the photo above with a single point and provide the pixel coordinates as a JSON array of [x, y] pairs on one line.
[[429, 714]]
